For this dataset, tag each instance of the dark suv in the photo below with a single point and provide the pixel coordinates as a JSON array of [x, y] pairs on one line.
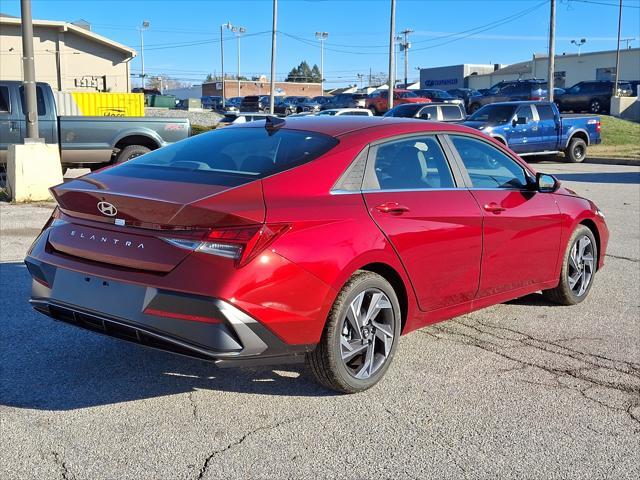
[[516, 90], [255, 103], [592, 96], [345, 100]]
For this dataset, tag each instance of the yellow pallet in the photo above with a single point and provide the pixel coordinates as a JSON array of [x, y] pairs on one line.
[[110, 104]]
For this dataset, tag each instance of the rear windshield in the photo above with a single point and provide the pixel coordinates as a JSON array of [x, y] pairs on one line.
[[246, 152]]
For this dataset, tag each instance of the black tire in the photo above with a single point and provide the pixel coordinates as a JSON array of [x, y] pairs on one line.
[[595, 106], [474, 107], [326, 362], [564, 294], [576, 152], [131, 151]]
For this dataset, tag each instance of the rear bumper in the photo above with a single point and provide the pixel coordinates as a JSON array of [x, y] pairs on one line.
[[192, 325]]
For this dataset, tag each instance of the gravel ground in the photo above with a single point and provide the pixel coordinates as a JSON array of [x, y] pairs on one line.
[[519, 390], [204, 118]]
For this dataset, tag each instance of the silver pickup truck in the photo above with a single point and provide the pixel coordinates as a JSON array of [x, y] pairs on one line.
[[90, 142]]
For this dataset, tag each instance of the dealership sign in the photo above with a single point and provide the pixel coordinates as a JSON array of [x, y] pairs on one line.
[[439, 83]]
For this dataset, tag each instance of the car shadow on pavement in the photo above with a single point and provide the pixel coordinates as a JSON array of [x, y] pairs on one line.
[[532, 300], [602, 177], [50, 365]]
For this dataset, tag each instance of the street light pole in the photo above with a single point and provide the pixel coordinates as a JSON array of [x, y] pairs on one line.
[[222, 27], [239, 31], [145, 25], [579, 43], [615, 84], [552, 51], [272, 81], [392, 67], [28, 66], [322, 36]]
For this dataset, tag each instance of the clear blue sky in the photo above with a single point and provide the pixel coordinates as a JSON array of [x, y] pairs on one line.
[[183, 40]]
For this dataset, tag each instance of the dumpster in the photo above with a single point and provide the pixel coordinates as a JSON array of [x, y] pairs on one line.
[[104, 104]]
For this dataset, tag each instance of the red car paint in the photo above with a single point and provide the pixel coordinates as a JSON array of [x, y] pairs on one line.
[[380, 103], [447, 252]]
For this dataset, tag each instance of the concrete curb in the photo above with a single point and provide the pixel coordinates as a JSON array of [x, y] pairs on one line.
[[614, 161]]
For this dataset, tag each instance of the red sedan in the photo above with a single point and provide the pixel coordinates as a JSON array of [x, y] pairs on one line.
[[315, 238], [378, 102]]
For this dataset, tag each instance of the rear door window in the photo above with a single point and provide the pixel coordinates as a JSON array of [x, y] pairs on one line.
[[41, 106], [545, 112], [246, 152], [451, 113]]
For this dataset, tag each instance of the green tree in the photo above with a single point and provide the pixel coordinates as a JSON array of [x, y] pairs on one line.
[[304, 73], [316, 76]]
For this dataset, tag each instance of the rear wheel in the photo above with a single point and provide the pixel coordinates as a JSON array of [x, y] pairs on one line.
[[576, 152], [578, 269], [360, 336], [595, 106], [131, 151]]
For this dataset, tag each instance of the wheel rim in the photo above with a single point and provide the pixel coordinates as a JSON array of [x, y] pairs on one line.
[[581, 265], [595, 107], [578, 152], [367, 333]]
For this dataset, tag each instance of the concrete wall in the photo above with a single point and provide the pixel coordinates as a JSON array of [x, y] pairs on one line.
[[261, 88], [66, 60], [626, 107]]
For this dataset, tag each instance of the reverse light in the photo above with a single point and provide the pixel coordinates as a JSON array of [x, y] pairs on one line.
[[240, 244]]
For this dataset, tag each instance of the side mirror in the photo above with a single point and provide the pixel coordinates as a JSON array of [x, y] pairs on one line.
[[546, 183]]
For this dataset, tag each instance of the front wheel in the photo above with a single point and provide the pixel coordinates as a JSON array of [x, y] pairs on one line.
[[360, 336], [595, 106], [578, 269]]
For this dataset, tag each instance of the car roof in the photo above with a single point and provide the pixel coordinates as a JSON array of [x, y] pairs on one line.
[[337, 126], [521, 102]]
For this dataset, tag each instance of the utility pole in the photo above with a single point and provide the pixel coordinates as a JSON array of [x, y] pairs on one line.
[[615, 83], [360, 77], [322, 36], [222, 27], [28, 67], [552, 51], [392, 66], [272, 80], [405, 46], [628, 41], [239, 31], [145, 25]]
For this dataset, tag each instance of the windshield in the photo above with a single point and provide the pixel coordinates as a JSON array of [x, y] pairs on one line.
[[493, 114], [441, 94], [250, 152], [406, 95]]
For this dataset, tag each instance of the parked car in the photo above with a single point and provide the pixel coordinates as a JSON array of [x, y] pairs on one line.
[[88, 142], [464, 94], [437, 112], [511, 91], [284, 106], [634, 84], [436, 95], [298, 102], [345, 100], [321, 100], [312, 105], [338, 112], [217, 247], [211, 102], [234, 118], [233, 104], [594, 97], [537, 128], [255, 103], [378, 101]]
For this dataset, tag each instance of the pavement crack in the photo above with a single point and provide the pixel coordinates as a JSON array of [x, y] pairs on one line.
[[194, 405], [64, 471], [207, 462], [620, 257]]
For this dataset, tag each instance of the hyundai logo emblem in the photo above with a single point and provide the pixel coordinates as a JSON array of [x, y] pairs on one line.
[[107, 209]]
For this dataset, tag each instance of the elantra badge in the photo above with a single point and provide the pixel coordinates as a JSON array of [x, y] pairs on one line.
[[107, 209]]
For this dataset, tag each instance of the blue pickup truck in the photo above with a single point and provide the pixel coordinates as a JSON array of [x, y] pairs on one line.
[[537, 128]]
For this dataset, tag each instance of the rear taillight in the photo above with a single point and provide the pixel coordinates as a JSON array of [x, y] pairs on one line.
[[598, 126], [240, 244], [537, 98]]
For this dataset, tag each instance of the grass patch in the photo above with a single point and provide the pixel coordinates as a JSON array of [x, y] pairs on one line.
[[620, 139], [197, 129]]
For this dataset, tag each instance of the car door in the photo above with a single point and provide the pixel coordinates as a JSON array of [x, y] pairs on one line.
[[549, 127], [434, 226], [521, 227], [11, 123], [523, 131]]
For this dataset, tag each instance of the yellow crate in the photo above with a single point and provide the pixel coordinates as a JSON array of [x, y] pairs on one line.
[[110, 104]]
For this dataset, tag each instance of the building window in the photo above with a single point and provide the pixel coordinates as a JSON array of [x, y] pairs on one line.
[[605, 74]]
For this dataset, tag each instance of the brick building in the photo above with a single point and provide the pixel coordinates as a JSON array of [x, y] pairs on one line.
[[260, 87]]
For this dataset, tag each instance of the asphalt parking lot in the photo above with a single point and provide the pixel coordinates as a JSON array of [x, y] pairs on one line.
[[519, 390]]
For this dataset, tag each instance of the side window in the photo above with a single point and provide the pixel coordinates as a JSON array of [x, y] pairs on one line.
[[5, 104], [42, 109], [450, 112], [487, 166], [429, 113], [411, 164], [545, 112], [525, 112]]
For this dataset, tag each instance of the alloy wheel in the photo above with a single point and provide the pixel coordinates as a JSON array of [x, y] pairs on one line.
[[578, 152], [581, 266], [367, 333]]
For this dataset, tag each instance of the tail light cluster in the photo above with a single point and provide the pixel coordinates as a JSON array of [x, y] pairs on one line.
[[240, 244], [598, 126]]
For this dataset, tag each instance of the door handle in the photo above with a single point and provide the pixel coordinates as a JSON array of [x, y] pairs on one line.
[[494, 208], [392, 207]]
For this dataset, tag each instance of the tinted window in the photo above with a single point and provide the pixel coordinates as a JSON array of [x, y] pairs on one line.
[[411, 164], [429, 113], [545, 112], [525, 112], [487, 166], [355, 112], [406, 110], [494, 114], [248, 152], [4, 100], [42, 109], [450, 112]]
